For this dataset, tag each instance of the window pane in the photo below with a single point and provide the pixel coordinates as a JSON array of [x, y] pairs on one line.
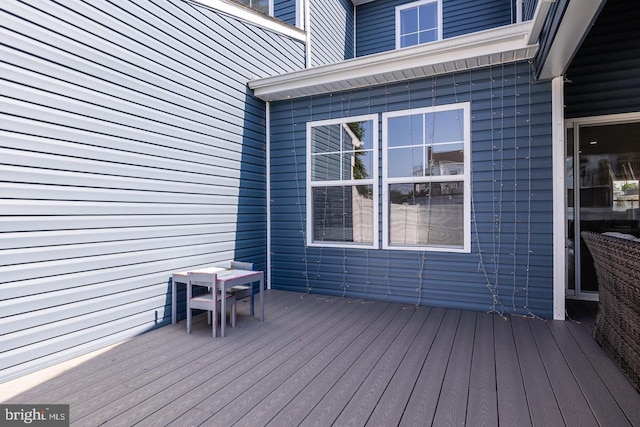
[[343, 214], [358, 165], [260, 5], [449, 126], [325, 167], [361, 135], [405, 162], [428, 36], [409, 21], [426, 214], [428, 16], [325, 139], [405, 130], [410, 40], [446, 159]]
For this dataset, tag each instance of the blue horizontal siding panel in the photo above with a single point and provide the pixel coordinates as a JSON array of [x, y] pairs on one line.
[[131, 148], [285, 10], [511, 256], [603, 76], [375, 21], [331, 31]]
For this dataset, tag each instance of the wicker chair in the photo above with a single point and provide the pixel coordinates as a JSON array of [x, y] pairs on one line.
[[617, 330]]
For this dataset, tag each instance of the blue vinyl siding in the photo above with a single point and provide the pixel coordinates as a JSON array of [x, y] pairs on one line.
[[331, 31], [285, 10], [375, 21], [604, 76], [131, 148], [512, 199]]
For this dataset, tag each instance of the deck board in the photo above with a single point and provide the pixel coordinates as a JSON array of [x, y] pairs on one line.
[[321, 361]]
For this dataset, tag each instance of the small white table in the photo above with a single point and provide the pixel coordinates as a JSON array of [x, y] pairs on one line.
[[225, 280]]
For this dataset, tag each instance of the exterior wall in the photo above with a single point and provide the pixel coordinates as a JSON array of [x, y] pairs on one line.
[[331, 31], [375, 21], [131, 148], [285, 10], [604, 76], [510, 266]]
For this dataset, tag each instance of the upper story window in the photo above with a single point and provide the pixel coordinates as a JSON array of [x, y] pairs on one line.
[[259, 5], [342, 182], [425, 179], [419, 22]]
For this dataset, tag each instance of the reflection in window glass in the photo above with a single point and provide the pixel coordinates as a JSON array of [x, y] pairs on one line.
[[426, 214], [342, 169], [259, 5], [343, 214]]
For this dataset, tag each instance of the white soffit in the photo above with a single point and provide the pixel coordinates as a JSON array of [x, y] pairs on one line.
[[491, 47], [576, 23]]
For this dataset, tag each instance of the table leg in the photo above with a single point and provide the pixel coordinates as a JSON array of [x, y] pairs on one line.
[[223, 309], [262, 298], [174, 302]]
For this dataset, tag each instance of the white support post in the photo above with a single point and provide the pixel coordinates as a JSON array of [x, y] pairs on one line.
[[268, 184], [559, 203]]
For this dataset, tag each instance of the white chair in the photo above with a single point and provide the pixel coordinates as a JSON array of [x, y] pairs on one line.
[[209, 301], [242, 291]]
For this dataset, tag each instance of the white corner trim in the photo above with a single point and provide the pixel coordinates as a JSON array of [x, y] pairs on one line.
[[559, 209], [249, 15], [463, 52]]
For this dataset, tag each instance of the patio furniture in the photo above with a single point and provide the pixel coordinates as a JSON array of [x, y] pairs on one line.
[[617, 330], [212, 300], [242, 291], [225, 279]]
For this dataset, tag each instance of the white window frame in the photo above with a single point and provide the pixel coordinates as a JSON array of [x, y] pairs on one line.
[[418, 4], [466, 178], [373, 181]]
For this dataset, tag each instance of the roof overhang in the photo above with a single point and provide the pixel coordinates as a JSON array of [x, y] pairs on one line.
[[576, 22], [485, 48]]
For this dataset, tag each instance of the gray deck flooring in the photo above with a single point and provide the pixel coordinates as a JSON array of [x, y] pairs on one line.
[[321, 361]]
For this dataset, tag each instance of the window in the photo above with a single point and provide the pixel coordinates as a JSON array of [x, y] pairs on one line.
[[259, 5], [418, 23], [425, 178], [342, 185]]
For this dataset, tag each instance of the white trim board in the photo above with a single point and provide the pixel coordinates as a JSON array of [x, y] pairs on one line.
[[495, 46]]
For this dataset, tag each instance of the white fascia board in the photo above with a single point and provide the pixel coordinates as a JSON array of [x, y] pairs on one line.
[[454, 54], [575, 25], [247, 14]]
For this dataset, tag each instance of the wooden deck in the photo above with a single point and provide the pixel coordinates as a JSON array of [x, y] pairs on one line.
[[321, 361]]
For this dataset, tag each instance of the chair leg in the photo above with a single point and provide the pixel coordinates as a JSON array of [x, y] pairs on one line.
[[188, 320], [234, 314]]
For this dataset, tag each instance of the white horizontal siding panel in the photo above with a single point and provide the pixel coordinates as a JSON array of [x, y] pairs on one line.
[[25, 271], [118, 278], [150, 163], [26, 175], [68, 303], [52, 329], [32, 238], [47, 224], [25, 256], [59, 109], [88, 194], [38, 207], [117, 98], [134, 324], [135, 59]]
